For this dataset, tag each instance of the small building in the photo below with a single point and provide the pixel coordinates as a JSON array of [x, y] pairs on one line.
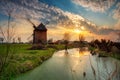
[[40, 34]]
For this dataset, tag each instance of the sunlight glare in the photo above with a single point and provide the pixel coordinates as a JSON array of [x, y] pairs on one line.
[[82, 28], [77, 31]]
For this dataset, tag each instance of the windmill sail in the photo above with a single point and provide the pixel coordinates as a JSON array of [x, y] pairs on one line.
[[31, 23], [30, 37]]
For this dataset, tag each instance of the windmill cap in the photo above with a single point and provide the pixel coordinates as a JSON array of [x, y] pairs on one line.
[[41, 27]]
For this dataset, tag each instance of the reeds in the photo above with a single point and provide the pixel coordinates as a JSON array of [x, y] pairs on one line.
[[114, 73], [93, 69]]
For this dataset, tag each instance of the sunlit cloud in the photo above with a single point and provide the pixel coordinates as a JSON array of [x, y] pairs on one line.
[[116, 12], [117, 25], [95, 5], [56, 20]]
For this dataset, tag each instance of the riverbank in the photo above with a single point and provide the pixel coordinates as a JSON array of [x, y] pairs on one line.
[[77, 65], [22, 59], [114, 54]]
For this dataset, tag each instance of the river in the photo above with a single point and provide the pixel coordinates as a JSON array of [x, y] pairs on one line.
[[75, 65]]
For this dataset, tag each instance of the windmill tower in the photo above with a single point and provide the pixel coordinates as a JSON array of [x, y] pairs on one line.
[[39, 33]]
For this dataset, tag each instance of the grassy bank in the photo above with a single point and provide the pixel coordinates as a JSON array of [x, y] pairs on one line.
[[21, 59], [110, 54], [105, 54]]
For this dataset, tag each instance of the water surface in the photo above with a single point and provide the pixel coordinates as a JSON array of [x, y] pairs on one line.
[[77, 64]]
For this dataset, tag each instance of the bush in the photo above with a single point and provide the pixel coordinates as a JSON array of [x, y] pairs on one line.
[[114, 49]]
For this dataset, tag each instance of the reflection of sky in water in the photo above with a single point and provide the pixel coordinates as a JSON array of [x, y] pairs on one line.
[[73, 53], [71, 66]]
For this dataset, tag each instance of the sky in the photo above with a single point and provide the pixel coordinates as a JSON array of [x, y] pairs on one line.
[[95, 19]]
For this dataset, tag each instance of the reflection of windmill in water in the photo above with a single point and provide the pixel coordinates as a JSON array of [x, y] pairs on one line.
[[39, 33]]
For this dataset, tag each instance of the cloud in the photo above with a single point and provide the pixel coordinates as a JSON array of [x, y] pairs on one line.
[[116, 12], [32, 9], [57, 20], [105, 31], [117, 25], [95, 5]]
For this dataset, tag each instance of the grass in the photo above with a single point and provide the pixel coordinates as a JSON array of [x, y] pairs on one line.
[[21, 59], [109, 54], [91, 48]]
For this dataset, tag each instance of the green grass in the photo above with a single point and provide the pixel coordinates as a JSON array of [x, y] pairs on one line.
[[110, 54], [22, 59], [91, 48]]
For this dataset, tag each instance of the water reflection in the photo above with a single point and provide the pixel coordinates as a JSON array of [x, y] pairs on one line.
[[83, 51], [75, 64], [66, 52]]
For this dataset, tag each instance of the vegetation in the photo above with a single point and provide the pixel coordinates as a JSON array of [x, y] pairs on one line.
[[19, 58], [105, 48], [22, 59]]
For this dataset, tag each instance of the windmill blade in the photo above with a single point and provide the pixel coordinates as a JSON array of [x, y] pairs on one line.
[[31, 22], [30, 37]]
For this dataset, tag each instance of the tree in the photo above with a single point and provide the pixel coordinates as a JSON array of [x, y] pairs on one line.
[[13, 40], [1, 40], [66, 36], [19, 39], [7, 33], [50, 40], [81, 40], [81, 37], [66, 39]]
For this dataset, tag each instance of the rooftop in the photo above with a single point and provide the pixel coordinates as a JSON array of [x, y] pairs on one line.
[[41, 27]]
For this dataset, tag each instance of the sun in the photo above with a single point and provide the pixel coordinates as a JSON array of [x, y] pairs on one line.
[[77, 31], [82, 28]]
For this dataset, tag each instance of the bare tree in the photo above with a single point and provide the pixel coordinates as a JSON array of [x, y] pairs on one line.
[[81, 37], [66, 36], [66, 39], [13, 40], [19, 39], [7, 33], [1, 40], [81, 40]]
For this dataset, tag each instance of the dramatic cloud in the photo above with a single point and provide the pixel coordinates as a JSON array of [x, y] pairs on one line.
[[57, 20], [32, 9], [95, 5], [116, 12]]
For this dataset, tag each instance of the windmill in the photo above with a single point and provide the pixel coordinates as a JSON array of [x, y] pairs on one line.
[[39, 33]]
